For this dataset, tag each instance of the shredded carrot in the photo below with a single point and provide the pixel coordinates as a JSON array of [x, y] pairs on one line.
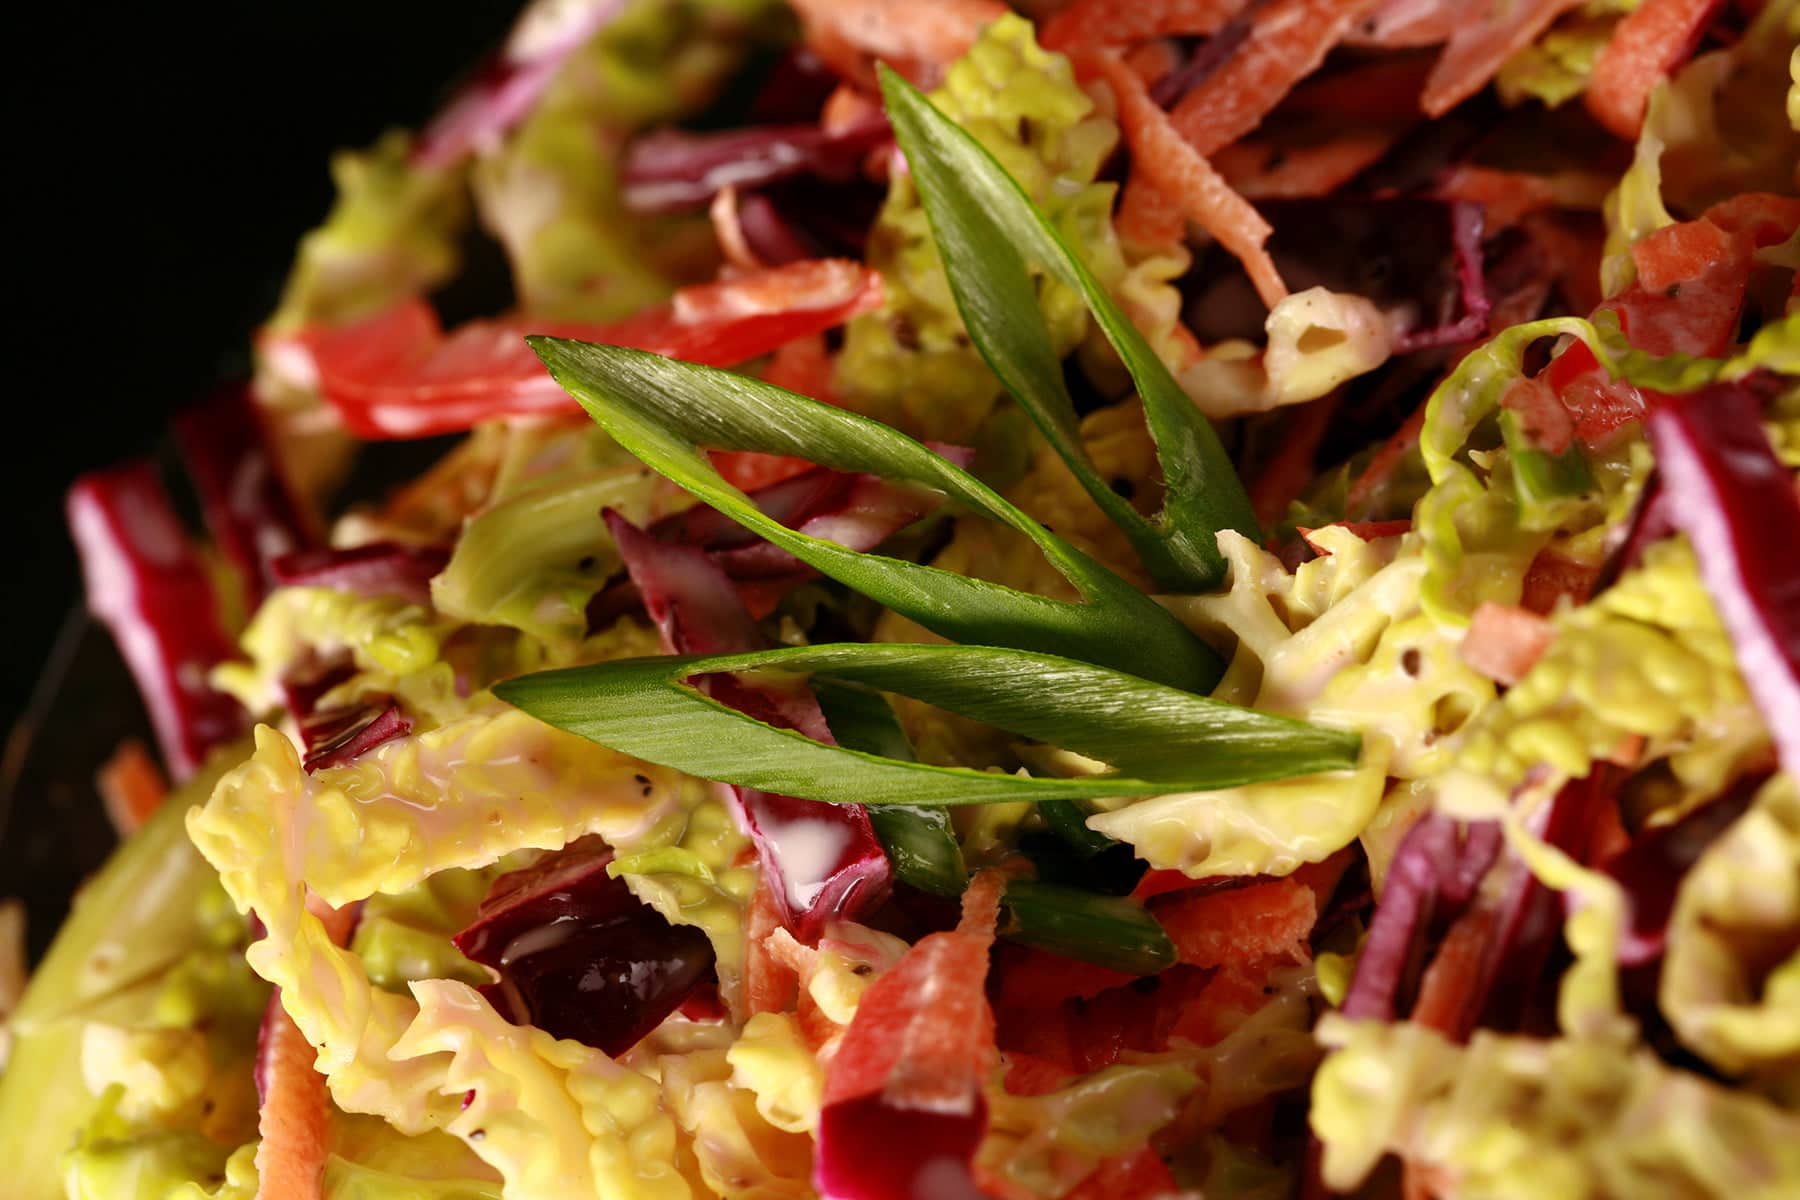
[[923, 1034], [1386, 462], [1286, 474], [1090, 24], [1149, 215], [1176, 169], [1216, 928], [293, 1118], [1289, 40], [1505, 642], [770, 975], [1481, 43], [1381, 89], [1265, 171], [918, 40], [1448, 985], [1573, 247], [1152, 60], [1505, 196], [1550, 577], [1407, 24], [810, 284], [1234, 993], [1028, 978], [1643, 49], [131, 786], [847, 105]]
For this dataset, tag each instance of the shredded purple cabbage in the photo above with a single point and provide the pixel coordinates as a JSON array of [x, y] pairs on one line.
[[823, 860], [670, 170], [1735, 501], [373, 569], [579, 956], [151, 589], [247, 505]]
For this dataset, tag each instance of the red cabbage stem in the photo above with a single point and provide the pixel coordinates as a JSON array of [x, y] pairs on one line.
[[823, 861], [249, 510], [1735, 501], [149, 586]]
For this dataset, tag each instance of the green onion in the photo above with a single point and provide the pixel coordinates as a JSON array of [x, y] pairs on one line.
[[989, 234], [1157, 739]]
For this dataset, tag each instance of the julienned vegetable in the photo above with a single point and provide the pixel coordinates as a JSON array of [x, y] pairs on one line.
[[1179, 599]]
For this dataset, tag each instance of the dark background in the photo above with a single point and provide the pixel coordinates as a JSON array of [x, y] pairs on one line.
[[161, 160], [167, 157]]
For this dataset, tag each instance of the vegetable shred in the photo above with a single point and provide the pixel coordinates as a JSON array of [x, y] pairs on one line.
[[1053, 600]]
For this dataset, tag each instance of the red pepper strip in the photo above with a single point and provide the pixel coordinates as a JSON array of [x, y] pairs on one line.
[[293, 1118], [903, 1110], [823, 860], [1643, 49], [1736, 502], [248, 508], [397, 375], [1687, 299], [149, 587], [508, 86]]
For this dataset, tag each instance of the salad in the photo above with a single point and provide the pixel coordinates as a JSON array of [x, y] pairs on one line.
[[1091, 599]]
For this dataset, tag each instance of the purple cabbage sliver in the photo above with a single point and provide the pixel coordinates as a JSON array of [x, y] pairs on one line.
[[1650, 870], [147, 584], [249, 510], [1435, 872], [578, 955], [372, 569], [670, 170], [823, 860], [508, 86], [1735, 501], [357, 738]]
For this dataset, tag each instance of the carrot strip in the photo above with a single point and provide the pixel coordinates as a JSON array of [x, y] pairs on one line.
[[1180, 172], [1153, 59], [770, 979], [1288, 41], [294, 1116], [918, 40], [1505, 196], [1090, 24], [1218, 928], [1504, 642], [1406, 24], [1286, 474], [1481, 44], [131, 786], [1644, 48], [1385, 88], [1261, 171]]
